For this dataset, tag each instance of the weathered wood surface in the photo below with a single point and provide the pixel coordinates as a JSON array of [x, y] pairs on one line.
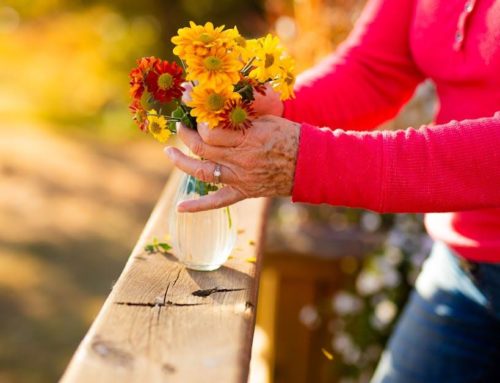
[[164, 323]]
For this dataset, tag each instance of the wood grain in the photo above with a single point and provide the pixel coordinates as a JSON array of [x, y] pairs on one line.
[[164, 323]]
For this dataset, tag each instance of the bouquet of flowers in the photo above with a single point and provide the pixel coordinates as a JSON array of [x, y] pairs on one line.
[[215, 82], [222, 70]]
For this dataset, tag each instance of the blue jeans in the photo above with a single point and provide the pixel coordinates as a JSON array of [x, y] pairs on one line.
[[449, 331]]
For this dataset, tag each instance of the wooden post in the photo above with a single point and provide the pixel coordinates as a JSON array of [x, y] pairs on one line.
[[163, 322]]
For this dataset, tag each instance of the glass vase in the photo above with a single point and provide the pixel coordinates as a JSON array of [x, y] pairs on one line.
[[202, 240]]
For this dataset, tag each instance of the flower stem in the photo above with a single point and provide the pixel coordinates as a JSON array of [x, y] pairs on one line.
[[242, 90], [185, 70], [192, 120], [247, 67], [229, 217]]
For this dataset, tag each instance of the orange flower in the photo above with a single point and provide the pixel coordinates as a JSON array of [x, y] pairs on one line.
[[139, 115], [139, 73]]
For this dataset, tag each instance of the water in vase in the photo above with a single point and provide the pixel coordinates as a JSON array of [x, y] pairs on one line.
[[202, 240]]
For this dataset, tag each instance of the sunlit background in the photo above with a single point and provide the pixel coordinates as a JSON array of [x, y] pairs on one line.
[[77, 180]]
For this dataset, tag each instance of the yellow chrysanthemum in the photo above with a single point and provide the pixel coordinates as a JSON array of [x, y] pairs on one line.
[[218, 69], [248, 49], [199, 39], [285, 82], [241, 45], [268, 57], [208, 104], [157, 126]]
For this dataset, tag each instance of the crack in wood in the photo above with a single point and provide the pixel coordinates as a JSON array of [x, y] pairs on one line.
[[164, 302], [166, 292], [207, 292], [161, 304], [177, 278]]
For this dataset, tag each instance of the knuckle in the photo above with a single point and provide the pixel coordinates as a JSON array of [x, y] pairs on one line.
[[208, 138], [207, 134], [201, 174], [198, 148]]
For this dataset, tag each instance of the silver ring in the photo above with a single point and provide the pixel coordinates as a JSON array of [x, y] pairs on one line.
[[217, 174]]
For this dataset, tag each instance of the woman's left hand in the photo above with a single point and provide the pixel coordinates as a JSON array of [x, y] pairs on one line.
[[259, 162]]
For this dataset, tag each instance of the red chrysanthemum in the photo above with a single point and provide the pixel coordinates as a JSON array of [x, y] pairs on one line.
[[258, 86], [139, 115], [237, 115], [138, 75], [164, 81]]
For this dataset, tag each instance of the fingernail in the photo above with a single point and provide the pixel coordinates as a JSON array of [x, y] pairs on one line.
[[181, 208]]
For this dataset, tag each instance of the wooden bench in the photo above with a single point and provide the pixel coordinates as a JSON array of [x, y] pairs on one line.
[[162, 322]]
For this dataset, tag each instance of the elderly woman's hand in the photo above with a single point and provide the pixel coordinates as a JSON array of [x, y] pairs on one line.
[[270, 103], [259, 162]]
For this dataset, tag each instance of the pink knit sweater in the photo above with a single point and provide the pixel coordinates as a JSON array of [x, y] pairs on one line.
[[450, 169]]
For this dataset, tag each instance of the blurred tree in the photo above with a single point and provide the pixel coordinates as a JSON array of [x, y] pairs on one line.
[[72, 57]]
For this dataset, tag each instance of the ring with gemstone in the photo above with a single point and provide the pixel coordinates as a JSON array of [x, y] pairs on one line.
[[217, 174]]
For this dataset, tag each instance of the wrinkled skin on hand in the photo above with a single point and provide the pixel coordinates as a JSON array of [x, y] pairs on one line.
[[259, 162], [268, 104]]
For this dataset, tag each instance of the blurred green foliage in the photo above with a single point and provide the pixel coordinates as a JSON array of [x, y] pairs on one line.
[[77, 183], [68, 60]]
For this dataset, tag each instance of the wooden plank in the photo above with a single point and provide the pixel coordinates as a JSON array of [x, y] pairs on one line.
[[152, 328]]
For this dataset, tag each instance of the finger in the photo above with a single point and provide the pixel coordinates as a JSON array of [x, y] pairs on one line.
[[220, 137], [270, 103], [221, 198], [186, 95], [195, 143], [200, 169]]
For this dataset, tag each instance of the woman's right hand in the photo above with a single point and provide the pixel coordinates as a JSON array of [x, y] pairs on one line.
[[268, 104]]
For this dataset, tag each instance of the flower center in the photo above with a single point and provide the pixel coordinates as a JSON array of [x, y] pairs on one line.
[[238, 115], [155, 127], [206, 38], [212, 63], [165, 81], [289, 78], [269, 60], [215, 102]]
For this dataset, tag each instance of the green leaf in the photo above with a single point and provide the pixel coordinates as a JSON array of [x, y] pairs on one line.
[[172, 126], [199, 187], [149, 249], [245, 89], [165, 246], [157, 247], [187, 119], [177, 112]]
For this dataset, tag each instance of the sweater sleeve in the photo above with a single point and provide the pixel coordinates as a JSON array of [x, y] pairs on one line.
[[449, 167], [368, 79]]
